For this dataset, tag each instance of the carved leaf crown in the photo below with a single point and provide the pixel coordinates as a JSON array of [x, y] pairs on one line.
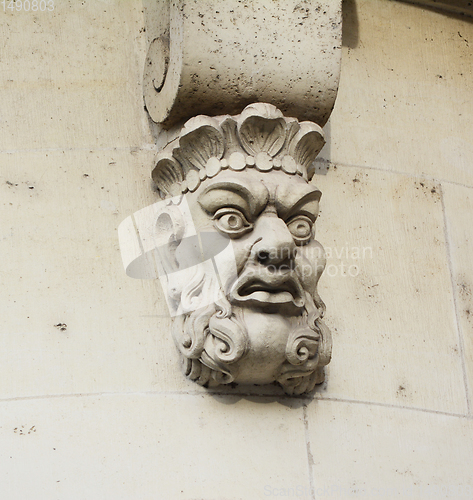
[[260, 137]]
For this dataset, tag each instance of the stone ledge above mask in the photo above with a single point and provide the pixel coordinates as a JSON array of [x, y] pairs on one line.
[[212, 57]]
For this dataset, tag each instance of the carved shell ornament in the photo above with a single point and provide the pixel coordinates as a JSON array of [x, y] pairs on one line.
[[260, 137]]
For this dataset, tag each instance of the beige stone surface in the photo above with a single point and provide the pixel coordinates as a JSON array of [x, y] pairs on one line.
[[64, 266], [72, 77], [72, 321], [458, 211], [393, 324], [378, 452], [404, 100], [71, 104], [150, 447], [60, 212]]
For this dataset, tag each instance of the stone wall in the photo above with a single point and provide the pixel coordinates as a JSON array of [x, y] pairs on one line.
[[93, 403]]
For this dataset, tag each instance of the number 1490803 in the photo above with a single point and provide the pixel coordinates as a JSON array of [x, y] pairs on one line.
[[28, 5]]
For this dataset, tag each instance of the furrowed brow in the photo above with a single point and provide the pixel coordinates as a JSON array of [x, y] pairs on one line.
[[302, 199], [251, 198]]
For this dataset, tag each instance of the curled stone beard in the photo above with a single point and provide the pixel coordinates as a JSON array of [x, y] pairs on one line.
[[308, 350], [213, 338]]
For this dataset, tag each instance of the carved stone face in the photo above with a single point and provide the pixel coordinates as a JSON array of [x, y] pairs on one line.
[[233, 244], [267, 325]]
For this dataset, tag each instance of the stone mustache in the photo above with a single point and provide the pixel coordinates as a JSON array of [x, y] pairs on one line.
[[242, 284]]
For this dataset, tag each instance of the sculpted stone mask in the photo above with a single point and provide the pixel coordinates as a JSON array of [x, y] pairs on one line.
[[237, 255]]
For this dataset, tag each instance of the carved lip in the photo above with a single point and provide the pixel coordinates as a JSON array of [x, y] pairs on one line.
[[268, 289]]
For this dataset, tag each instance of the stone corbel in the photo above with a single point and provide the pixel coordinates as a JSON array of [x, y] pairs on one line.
[[244, 86], [215, 57]]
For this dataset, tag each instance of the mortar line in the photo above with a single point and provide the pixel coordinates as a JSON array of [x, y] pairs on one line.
[[390, 171], [305, 399], [399, 407], [461, 343], [310, 457], [92, 149]]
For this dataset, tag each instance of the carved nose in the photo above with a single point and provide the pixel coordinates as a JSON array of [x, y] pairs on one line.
[[275, 245]]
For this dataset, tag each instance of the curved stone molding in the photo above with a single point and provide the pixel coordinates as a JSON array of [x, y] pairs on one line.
[[214, 57], [233, 246]]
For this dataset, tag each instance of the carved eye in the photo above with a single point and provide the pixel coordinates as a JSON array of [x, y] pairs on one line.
[[232, 222], [301, 228]]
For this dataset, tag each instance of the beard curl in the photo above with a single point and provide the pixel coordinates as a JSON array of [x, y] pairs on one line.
[[211, 338], [308, 350]]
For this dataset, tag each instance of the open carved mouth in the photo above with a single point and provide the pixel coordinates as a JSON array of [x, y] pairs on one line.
[[275, 289]]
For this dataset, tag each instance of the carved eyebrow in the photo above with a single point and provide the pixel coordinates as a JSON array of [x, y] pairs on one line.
[[300, 199], [251, 198]]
